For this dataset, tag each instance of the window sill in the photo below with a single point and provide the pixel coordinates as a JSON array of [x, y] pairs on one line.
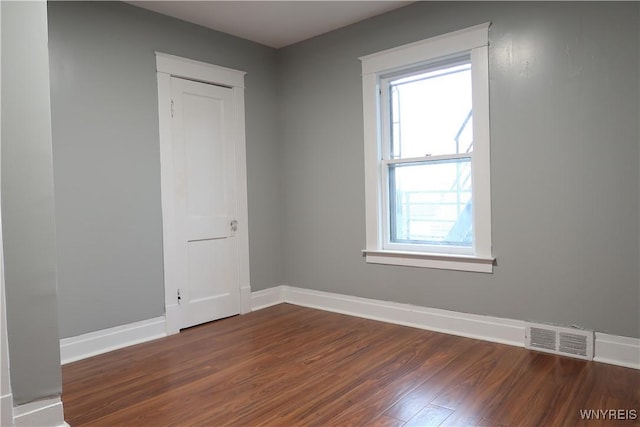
[[431, 260]]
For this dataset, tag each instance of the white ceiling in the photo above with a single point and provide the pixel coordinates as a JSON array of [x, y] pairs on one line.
[[272, 23]]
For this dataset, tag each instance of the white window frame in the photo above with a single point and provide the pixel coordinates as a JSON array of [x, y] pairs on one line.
[[375, 67]]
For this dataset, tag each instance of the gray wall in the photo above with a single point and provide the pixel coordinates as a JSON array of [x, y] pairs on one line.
[[564, 124], [107, 158], [565, 149], [28, 204]]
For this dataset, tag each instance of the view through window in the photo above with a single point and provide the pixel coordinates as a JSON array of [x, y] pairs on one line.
[[431, 138]]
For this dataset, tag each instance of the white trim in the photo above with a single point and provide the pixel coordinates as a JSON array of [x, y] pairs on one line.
[[617, 350], [94, 343], [171, 278], [372, 154], [426, 50], [487, 328], [611, 349], [91, 344], [245, 300], [375, 69], [197, 70], [166, 67], [173, 318], [46, 412], [267, 297], [431, 260], [242, 209], [481, 164]]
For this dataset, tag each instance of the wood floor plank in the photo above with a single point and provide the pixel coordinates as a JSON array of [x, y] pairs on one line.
[[295, 366], [484, 422], [382, 421], [537, 395], [171, 371], [476, 384], [603, 388], [378, 357], [429, 416], [436, 355], [424, 394], [272, 383]]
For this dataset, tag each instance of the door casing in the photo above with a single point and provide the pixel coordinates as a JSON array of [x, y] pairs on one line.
[[168, 66]]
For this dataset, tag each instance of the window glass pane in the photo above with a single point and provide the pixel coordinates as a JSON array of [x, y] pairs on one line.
[[431, 113], [430, 203]]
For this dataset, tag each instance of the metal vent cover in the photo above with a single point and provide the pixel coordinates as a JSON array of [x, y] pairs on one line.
[[573, 344], [558, 340], [543, 338]]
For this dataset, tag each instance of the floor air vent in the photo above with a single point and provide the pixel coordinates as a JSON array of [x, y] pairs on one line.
[[557, 340]]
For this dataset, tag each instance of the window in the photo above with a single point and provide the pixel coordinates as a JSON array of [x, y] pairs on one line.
[[426, 118]]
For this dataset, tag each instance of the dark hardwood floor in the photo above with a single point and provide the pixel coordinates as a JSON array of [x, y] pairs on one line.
[[294, 366]]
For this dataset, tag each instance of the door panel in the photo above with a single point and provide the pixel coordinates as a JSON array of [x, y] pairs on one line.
[[206, 227], [206, 201], [204, 150]]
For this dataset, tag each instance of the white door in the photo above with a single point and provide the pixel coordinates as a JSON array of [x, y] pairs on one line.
[[205, 201]]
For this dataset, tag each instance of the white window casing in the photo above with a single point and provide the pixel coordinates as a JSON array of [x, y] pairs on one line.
[[472, 41]]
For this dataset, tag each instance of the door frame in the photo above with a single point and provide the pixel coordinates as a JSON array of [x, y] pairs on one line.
[[168, 66]]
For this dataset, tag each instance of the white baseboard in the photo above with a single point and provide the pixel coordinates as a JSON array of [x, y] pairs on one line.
[[504, 331], [616, 350], [82, 346], [6, 410], [94, 343], [267, 297], [611, 349], [42, 413]]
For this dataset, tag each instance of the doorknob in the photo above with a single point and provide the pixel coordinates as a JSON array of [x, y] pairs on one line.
[[234, 225]]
